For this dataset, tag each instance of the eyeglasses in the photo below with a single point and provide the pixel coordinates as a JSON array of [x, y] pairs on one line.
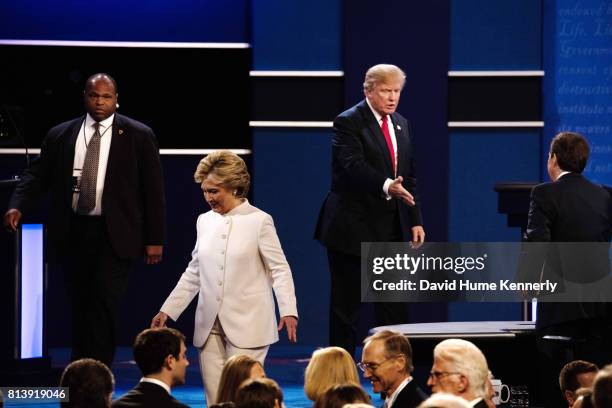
[[363, 366], [440, 374]]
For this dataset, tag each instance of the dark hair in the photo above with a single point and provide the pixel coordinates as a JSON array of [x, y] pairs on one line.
[[90, 384], [602, 388], [258, 393], [152, 346], [571, 150], [568, 377], [395, 344], [340, 394], [228, 404], [100, 75], [235, 370]]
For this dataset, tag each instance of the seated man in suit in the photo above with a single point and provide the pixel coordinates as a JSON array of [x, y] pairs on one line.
[[574, 375], [460, 368], [387, 362], [90, 384], [161, 357]]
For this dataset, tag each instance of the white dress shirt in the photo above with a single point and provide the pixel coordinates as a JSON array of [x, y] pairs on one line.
[[80, 150], [379, 119], [155, 381], [391, 398]]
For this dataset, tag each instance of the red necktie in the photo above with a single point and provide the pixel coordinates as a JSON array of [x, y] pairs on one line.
[[385, 130]]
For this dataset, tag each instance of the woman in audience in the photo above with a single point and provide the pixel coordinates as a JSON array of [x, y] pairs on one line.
[[339, 395], [259, 393], [236, 370], [327, 367]]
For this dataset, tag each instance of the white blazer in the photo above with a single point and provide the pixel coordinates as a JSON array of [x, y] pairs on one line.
[[236, 262]]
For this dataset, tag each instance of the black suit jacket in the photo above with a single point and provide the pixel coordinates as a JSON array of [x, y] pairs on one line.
[[356, 210], [572, 209], [133, 201], [410, 397], [147, 395]]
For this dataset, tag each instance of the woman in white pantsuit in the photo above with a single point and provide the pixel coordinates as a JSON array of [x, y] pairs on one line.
[[236, 264]]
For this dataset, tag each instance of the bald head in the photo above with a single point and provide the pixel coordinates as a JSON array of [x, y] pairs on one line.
[[100, 96]]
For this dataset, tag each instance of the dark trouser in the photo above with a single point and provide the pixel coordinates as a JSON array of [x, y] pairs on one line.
[[345, 302], [587, 339], [96, 279]]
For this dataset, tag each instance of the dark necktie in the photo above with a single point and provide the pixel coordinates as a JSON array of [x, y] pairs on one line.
[[385, 130], [89, 175]]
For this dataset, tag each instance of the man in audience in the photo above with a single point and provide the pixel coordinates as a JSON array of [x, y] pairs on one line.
[[161, 357], [259, 393], [574, 375], [387, 362], [90, 384], [602, 388], [460, 368]]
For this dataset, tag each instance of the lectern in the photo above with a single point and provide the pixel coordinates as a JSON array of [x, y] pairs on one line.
[[23, 352]]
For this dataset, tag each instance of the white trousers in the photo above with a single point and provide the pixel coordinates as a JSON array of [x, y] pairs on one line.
[[215, 353]]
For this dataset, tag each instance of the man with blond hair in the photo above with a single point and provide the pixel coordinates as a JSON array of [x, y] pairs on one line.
[[460, 368], [372, 197], [386, 362]]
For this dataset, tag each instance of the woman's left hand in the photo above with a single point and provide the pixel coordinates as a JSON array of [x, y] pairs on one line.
[[291, 323]]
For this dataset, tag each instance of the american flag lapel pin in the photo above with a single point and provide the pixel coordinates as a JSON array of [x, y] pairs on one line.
[[120, 131]]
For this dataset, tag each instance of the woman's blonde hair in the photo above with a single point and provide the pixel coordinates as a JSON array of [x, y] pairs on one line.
[[236, 370], [327, 367], [229, 168]]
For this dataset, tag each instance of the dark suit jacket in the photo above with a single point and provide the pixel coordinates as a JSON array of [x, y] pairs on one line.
[[133, 200], [481, 404], [410, 397], [572, 209], [356, 210], [147, 395]]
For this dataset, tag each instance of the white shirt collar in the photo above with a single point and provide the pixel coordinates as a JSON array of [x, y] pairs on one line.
[[377, 115], [391, 398], [474, 402], [89, 121], [155, 381], [563, 173]]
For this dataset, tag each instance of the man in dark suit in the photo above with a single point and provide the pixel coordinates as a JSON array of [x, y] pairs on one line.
[[161, 357], [107, 208], [386, 362], [461, 369], [571, 209], [372, 198]]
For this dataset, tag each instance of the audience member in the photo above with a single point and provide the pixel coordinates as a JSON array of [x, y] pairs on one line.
[[444, 400], [574, 375], [90, 384], [161, 356], [259, 393], [602, 388], [223, 405], [584, 398], [460, 368], [387, 363], [327, 367], [236, 370], [339, 395]]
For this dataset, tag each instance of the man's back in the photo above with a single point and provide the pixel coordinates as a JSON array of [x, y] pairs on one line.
[[147, 395]]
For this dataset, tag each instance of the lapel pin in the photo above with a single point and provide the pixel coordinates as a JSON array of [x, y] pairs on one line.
[[120, 131], [398, 127]]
